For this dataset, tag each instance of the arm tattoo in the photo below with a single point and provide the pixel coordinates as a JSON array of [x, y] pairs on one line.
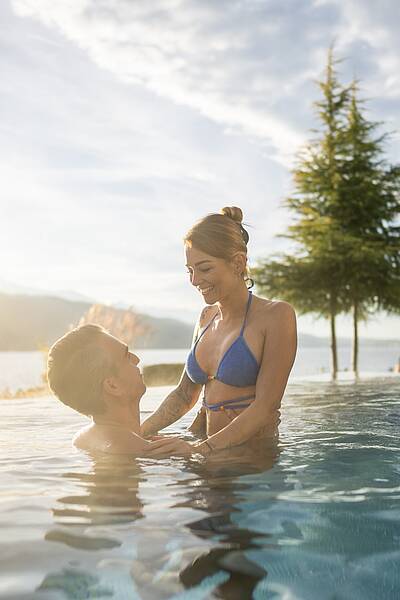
[[175, 405]]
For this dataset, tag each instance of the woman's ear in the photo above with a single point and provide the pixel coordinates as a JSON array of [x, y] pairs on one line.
[[239, 263]]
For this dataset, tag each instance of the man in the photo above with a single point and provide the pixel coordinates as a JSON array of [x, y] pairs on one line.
[[94, 373]]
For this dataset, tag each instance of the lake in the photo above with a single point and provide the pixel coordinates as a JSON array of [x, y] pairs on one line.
[[24, 369]]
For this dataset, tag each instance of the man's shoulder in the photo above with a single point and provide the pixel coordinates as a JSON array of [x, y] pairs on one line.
[[82, 438], [126, 442], [118, 441]]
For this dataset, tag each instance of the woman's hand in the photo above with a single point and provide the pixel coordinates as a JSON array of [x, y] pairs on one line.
[[169, 446]]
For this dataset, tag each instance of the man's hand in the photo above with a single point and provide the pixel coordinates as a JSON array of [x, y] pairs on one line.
[[170, 446]]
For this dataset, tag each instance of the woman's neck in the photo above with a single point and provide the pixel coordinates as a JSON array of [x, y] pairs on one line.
[[234, 304]]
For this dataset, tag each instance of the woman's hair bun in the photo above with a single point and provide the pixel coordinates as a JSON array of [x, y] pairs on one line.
[[233, 212]]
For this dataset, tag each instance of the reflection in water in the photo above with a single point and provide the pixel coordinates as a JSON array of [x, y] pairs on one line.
[[111, 496], [75, 585], [107, 498], [112, 493], [218, 565], [188, 529], [218, 492], [165, 561]]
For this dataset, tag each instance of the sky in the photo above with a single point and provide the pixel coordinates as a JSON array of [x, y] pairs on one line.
[[125, 122]]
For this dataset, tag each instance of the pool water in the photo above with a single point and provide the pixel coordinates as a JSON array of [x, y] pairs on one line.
[[314, 517]]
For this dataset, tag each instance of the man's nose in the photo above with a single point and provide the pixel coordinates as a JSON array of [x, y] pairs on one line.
[[135, 359]]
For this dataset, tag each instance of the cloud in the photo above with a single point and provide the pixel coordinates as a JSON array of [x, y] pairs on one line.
[[369, 34], [123, 122], [236, 63], [216, 58]]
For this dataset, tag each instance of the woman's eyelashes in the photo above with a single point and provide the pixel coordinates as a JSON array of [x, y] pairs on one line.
[[206, 270]]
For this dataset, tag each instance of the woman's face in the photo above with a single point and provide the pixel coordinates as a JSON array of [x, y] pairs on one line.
[[213, 277]]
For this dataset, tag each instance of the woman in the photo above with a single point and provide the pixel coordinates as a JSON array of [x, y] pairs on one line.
[[244, 346]]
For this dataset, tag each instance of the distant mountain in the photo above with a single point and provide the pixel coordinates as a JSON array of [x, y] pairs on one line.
[[29, 322], [312, 341], [7, 287]]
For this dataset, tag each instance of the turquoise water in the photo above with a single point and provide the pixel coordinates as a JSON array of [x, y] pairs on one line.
[[315, 517]]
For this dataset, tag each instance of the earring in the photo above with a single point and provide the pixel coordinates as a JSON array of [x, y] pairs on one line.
[[249, 282]]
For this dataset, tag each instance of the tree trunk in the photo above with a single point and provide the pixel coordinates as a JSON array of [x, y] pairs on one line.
[[355, 339], [333, 346]]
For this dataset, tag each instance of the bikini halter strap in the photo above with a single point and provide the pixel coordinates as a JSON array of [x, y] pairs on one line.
[[247, 310], [200, 334], [244, 320]]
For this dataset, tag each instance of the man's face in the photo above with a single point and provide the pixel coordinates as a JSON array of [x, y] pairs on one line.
[[128, 376]]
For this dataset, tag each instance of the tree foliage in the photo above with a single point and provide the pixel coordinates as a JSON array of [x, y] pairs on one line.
[[123, 324], [345, 204]]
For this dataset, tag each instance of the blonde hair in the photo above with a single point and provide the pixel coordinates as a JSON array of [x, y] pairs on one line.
[[76, 367], [221, 235]]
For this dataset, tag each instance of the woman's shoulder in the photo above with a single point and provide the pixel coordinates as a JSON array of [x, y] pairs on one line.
[[276, 310], [207, 313]]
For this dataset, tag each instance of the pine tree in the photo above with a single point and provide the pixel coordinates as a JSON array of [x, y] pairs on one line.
[[312, 279], [345, 204], [367, 207]]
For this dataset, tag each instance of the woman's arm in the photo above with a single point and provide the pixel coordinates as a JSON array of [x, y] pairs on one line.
[[175, 405], [276, 363], [180, 400]]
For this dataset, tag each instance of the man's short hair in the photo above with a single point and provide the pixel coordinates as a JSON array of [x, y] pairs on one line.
[[77, 365]]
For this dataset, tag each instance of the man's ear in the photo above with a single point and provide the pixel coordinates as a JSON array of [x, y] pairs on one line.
[[110, 386]]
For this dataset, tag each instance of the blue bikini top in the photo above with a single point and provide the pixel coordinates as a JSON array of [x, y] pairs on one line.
[[238, 366]]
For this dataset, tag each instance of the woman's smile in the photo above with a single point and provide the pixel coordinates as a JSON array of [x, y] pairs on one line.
[[205, 290]]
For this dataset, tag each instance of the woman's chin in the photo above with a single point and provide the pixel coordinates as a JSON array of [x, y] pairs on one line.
[[210, 298]]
